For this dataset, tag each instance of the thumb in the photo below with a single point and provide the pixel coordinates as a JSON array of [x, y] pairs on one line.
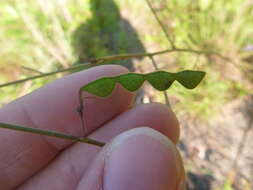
[[139, 159]]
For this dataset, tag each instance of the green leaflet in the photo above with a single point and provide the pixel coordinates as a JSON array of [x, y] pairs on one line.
[[102, 87], [160, 80], [190, 79], [131, 81]]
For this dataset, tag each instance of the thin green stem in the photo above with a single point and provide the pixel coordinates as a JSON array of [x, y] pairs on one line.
[[161, 24], [137, 55], [51, 134], [154, 63], [95, 61], [45, 75], [31, 69], [202, 52]]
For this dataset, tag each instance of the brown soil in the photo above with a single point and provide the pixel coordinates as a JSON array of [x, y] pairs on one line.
[[221, 150]]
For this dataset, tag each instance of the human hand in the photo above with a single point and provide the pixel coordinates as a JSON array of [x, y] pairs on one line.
[[139, 159]]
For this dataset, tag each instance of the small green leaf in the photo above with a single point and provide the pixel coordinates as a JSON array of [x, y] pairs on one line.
[[190, 79], [160, 80], [102, 87], [131, 81]]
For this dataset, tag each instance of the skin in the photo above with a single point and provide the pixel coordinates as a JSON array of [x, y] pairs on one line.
[[30, 161]]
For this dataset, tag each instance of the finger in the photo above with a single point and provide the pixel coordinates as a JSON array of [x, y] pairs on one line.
[[74, 161], [140, 159], [154, 115], [52, 107]]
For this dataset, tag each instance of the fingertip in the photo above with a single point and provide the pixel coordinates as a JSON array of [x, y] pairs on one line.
[[161, 118], [142, 158], [166, 115], [138, 159]]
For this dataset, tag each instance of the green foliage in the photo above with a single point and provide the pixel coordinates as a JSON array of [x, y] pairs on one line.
[[47, 35], [160, 80], [209, 24], [36, 34], [222, 26]]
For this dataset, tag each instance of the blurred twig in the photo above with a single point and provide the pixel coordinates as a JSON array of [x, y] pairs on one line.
[[31, 69], [244, 138]]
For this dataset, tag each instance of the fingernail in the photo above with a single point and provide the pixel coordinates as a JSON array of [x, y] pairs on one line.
[[110, 147], [141, 158]]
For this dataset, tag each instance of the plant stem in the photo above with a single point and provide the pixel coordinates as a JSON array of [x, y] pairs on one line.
[[137, 55], [51, 134], [161, 25], [80, 111], [95, 61], [31, 69], [45, 75]]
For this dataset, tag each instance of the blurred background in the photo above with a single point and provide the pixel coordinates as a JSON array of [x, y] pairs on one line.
[[40, 36]]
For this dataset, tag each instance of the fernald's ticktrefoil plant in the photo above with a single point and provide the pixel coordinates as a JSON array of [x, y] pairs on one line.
[[103, 87]]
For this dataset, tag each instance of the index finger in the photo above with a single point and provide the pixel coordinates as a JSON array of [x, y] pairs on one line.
[[53, 108]]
